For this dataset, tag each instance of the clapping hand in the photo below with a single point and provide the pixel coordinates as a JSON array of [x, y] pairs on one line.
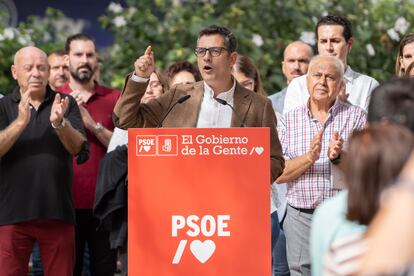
[[335, 146], [315, 147], [59, 107]]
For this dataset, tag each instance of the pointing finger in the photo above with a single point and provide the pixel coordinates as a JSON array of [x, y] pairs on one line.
[[152, 57], [148, 51]]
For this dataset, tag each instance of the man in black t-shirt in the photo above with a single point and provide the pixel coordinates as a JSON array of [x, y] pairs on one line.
[[40, 131]]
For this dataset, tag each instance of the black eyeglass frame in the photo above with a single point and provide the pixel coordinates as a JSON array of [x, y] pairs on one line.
[[214, 51]]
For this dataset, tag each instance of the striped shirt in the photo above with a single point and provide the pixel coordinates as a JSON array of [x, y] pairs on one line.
[[296, 131]]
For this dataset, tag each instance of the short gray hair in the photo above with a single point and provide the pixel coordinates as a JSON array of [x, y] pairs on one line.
[[340, 68]]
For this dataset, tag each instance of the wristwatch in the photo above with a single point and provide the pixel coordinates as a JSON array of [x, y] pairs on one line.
[[62, 124], [98, 128]]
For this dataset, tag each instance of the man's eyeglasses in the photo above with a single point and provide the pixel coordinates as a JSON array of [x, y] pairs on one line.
[[214, 51]]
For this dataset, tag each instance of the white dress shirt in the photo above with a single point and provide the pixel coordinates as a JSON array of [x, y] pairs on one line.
[[212, 113], [358, 86], [119, 138]]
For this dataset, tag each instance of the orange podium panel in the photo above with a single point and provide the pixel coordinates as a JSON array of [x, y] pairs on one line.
[[199, 202]]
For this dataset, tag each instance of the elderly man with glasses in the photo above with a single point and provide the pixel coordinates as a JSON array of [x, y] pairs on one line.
[[216, 55]]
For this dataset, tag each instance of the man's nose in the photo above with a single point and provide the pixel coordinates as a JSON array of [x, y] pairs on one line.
[[207, 56], [322, 80], [35, 72], [296, 65], [329, 46], [149, 90], [84, 59]]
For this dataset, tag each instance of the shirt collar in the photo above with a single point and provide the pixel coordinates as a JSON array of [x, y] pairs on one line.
[[332, 110], [16, 96], [226, 95], [98, 89], [349, 74]]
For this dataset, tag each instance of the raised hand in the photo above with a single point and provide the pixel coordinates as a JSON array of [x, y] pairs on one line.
[[81, 97], [144, 65], [59, 107], [24, 107], [87, 119], [315, 147], [335, 146]]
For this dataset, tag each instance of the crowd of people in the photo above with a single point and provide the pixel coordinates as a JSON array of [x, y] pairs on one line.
[[341, 151]]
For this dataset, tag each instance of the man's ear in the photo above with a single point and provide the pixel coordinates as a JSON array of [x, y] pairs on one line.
[[66, 59], [342, 86], [14, 71], [233, 58], [350, 43]]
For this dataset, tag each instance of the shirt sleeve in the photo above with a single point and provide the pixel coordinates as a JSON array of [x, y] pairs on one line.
[[371, 85], [281, 130], [4, 122], [138, 79], [361, 120], [73, 115], [296, 94]]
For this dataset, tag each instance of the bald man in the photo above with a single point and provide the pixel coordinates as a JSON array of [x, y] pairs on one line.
[[40, 131], [296, 58]]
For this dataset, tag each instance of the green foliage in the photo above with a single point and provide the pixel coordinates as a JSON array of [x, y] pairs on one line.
[[48, 33], [263, 29]]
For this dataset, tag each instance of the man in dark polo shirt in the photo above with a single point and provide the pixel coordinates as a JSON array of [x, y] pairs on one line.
[[40, 131]]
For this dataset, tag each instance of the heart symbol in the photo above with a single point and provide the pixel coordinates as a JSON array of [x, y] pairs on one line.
[[147, 148], [259, 150], [203, 250]]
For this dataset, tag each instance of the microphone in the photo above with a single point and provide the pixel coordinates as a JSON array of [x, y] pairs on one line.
[[179, 101], [223, 102]]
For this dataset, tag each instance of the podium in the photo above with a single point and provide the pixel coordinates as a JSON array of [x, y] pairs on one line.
[[199, 202]]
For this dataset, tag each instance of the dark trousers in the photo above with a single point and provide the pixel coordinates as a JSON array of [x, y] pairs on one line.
[[102, 257], [56, 242]]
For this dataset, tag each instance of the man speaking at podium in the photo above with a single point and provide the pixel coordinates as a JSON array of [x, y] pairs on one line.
[[216, 102]]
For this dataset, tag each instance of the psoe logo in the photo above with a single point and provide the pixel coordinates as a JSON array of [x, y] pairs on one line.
[[167, 145], [146, 145], [200, 231]]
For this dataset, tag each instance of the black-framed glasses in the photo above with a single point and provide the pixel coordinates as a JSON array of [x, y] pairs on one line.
[[214, 51]]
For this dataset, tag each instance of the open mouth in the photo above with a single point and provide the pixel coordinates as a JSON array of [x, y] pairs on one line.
[[207, 68]]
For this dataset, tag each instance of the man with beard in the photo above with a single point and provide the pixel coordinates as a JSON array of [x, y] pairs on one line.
[[59, 70], [96, 104]]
